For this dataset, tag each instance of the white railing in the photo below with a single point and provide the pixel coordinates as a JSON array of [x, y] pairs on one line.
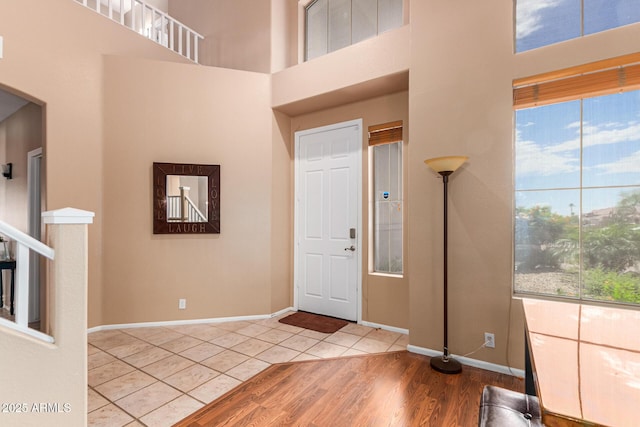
[[150, 22], [24, 243], [182, 209]]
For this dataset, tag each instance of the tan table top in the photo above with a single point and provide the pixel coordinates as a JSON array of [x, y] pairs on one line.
[[586, 362]]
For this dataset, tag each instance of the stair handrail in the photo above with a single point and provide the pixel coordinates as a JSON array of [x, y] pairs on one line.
[[193, 208], [24, 243], [24, 239]]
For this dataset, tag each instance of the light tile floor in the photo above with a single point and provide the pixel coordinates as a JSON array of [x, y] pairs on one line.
[[156, 376]]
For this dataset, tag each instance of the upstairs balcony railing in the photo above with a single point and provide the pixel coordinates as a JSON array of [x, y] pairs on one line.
[[151, 23]]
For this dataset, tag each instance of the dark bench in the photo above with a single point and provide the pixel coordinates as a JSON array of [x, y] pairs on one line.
[[500, 407]]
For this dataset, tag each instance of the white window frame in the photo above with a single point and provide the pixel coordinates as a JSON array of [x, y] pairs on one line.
[[304, 5]]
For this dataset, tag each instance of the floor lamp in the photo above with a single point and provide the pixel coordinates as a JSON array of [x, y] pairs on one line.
[[445, 166]]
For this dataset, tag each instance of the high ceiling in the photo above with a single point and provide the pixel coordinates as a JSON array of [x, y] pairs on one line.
[[9, 104]]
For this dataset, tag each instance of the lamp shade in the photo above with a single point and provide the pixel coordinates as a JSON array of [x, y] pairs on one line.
[[446, 164]]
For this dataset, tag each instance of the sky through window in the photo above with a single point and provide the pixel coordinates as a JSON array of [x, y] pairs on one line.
[[544, 22]]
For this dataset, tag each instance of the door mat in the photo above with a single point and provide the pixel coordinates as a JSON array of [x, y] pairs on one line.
[[315, 322]]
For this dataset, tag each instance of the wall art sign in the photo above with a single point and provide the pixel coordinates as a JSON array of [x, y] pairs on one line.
[[186, 198]]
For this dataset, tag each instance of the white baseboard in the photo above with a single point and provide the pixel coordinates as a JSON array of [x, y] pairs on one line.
[[470, 362], [412, 348], [283, 311], [188, 322], [385, 327], [228, 319]]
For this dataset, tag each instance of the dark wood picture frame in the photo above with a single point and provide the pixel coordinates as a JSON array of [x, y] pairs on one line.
[[161, 223]]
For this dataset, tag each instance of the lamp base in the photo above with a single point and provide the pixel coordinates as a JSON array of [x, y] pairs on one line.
[[450, 366]]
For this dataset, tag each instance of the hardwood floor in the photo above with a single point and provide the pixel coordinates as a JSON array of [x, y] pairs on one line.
[[389, 389]]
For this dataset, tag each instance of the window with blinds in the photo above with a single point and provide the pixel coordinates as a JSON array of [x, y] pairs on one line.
[[544, 22], [386, 207], [334, 24], [577, 182]]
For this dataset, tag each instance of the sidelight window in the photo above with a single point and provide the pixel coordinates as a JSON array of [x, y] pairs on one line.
[[385, 147]]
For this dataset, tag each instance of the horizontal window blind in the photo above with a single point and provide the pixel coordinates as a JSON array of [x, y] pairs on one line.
[[594, 79], [385, 133]]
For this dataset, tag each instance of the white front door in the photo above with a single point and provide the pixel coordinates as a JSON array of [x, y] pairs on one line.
[[328, 200]]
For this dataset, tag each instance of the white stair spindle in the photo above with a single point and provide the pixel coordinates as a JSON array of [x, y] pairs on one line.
[[21, 300], [180, 39], [121, 12], [171, 35], [143, 19], [163, 30], [188, 54], [154, 27], [195, 48], [133, 14], [110, 8]]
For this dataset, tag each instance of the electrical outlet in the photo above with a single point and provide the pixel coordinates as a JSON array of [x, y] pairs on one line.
[[489, 340], [182, 304]]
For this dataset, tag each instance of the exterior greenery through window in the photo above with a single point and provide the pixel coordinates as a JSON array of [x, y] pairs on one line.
[[577, 198], [385, 143], [544, 22], [334, 24]]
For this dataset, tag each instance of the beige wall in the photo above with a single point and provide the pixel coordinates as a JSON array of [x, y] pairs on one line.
[[208, 116], [460, 103], [61, 65], [384, 299], [281, 214], [371, 68], [237, 33], [19, 133], [284, 34], [104, 128]]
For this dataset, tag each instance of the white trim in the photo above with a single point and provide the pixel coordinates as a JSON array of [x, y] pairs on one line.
[[34, 191], [188, 322], [283, 311], [27, 331], [26, 240], [385, 327], [34, 209], [234, 319], [298, 134], [68, 216], [470, 362]]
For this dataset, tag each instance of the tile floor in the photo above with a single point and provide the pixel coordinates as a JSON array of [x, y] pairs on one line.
[[156, 376]]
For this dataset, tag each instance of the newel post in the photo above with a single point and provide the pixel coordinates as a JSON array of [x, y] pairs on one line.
[[68, 280]]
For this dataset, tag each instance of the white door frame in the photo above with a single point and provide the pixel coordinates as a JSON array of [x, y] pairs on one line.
[[34, 191], [358, 253]]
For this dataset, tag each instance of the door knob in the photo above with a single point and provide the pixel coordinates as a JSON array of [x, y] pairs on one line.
[[351, 248]]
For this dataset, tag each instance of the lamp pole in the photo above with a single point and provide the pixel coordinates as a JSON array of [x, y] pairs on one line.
[[445, 166], [445, 364]]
